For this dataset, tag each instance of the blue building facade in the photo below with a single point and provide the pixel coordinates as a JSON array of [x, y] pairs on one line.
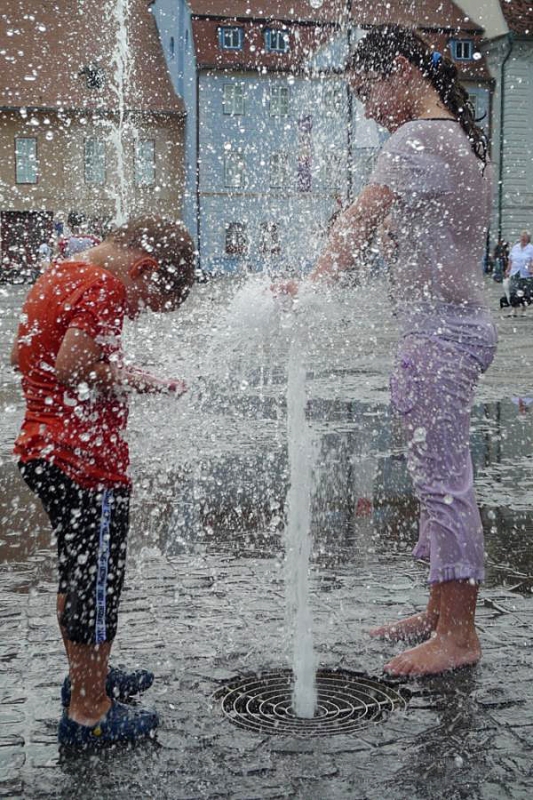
[[266, 148], [173, 19], [274, 162]]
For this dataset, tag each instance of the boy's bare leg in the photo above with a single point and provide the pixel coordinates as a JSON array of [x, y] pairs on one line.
[[88, 672], [61, 600], [415, 628], [88, 668], [453, 644]]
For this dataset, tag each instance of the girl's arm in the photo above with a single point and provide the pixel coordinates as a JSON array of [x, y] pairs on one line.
[[353, 231]]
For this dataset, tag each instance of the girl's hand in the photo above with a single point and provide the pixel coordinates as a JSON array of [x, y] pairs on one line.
[[177, 387], [289, 288]]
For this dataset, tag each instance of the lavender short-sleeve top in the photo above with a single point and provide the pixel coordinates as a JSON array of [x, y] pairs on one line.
[[442, 212]]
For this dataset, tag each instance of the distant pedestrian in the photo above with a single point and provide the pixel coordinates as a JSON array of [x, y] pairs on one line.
[[72, 453], [520, 273], [45, 253], [76, 243], [500, 260]]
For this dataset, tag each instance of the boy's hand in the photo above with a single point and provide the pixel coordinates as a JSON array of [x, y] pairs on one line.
[[144, 383], [80, 361]]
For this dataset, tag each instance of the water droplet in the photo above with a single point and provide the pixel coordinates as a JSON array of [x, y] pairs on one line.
[[416, 144], [419, 435]]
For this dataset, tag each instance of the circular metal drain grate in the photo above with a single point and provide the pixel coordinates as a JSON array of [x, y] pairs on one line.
[[347, 702]]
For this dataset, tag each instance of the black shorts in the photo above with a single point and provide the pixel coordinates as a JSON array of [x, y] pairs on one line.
[[91, 526]]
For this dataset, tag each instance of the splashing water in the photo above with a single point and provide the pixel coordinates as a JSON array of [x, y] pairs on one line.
[[298, 540], [120, 13], [253, 374]]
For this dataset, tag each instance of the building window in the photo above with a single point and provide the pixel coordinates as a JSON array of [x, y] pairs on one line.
[[279, 101], [233, 101], [479, 101], [234, 170], [331, 171], [463, 50], [236, 239], [26, 160], [95, 77], [269, 239], [172, 48], [276, 41], [94, 161], [332, 97], [279, 170], [145, 163], [474, 99], [230, 38]]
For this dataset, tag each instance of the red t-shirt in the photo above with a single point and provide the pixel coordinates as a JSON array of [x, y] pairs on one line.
[[78, 429]]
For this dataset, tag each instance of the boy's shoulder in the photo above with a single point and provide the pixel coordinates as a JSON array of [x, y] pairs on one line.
[[71, 284], [78, 276]]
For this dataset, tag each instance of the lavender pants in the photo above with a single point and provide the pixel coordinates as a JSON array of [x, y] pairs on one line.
[[440, 357]]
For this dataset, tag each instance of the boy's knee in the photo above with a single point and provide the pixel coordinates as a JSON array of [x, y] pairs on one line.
[[86, 621]]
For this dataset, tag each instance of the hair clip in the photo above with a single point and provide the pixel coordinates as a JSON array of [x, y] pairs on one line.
[[436, 58]]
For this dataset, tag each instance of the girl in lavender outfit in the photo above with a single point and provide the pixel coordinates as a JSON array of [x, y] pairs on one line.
[[432, 186]]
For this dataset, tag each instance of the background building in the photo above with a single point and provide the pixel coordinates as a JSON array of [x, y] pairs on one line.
[[510, 58], [173, 20], [90, 125], [263, 188]]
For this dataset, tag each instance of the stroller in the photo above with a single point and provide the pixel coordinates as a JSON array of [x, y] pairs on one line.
[[518, 293]]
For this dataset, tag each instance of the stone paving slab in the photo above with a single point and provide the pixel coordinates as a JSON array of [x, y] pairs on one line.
[[471, 731]]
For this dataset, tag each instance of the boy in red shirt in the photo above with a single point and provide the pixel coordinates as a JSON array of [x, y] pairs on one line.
[[72, 454]]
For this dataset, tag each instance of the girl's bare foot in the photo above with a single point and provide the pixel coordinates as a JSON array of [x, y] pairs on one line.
[[416, 628], [440, 654], [412, 629]]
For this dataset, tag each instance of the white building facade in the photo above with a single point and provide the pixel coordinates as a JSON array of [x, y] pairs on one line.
[[510, 58]]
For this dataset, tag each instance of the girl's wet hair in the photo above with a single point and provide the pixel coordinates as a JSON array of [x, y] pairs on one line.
[[378, 52], [166, 241]]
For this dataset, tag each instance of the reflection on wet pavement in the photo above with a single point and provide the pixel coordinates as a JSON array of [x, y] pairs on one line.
[[204, 599]]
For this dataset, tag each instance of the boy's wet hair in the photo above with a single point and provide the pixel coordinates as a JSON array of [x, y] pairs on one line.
[[166, 241], [378, 52]]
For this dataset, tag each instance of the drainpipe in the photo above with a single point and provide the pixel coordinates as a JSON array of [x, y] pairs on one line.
[[510, 40], [351, 132], [198, 207]]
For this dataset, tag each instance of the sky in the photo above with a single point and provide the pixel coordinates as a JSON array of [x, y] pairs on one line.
[[487, 13]]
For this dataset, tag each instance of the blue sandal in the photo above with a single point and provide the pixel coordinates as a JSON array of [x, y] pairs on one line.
[[120, 685], [122, 723]]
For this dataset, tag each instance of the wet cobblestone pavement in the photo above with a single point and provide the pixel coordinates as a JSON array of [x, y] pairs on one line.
[[204, 602]]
